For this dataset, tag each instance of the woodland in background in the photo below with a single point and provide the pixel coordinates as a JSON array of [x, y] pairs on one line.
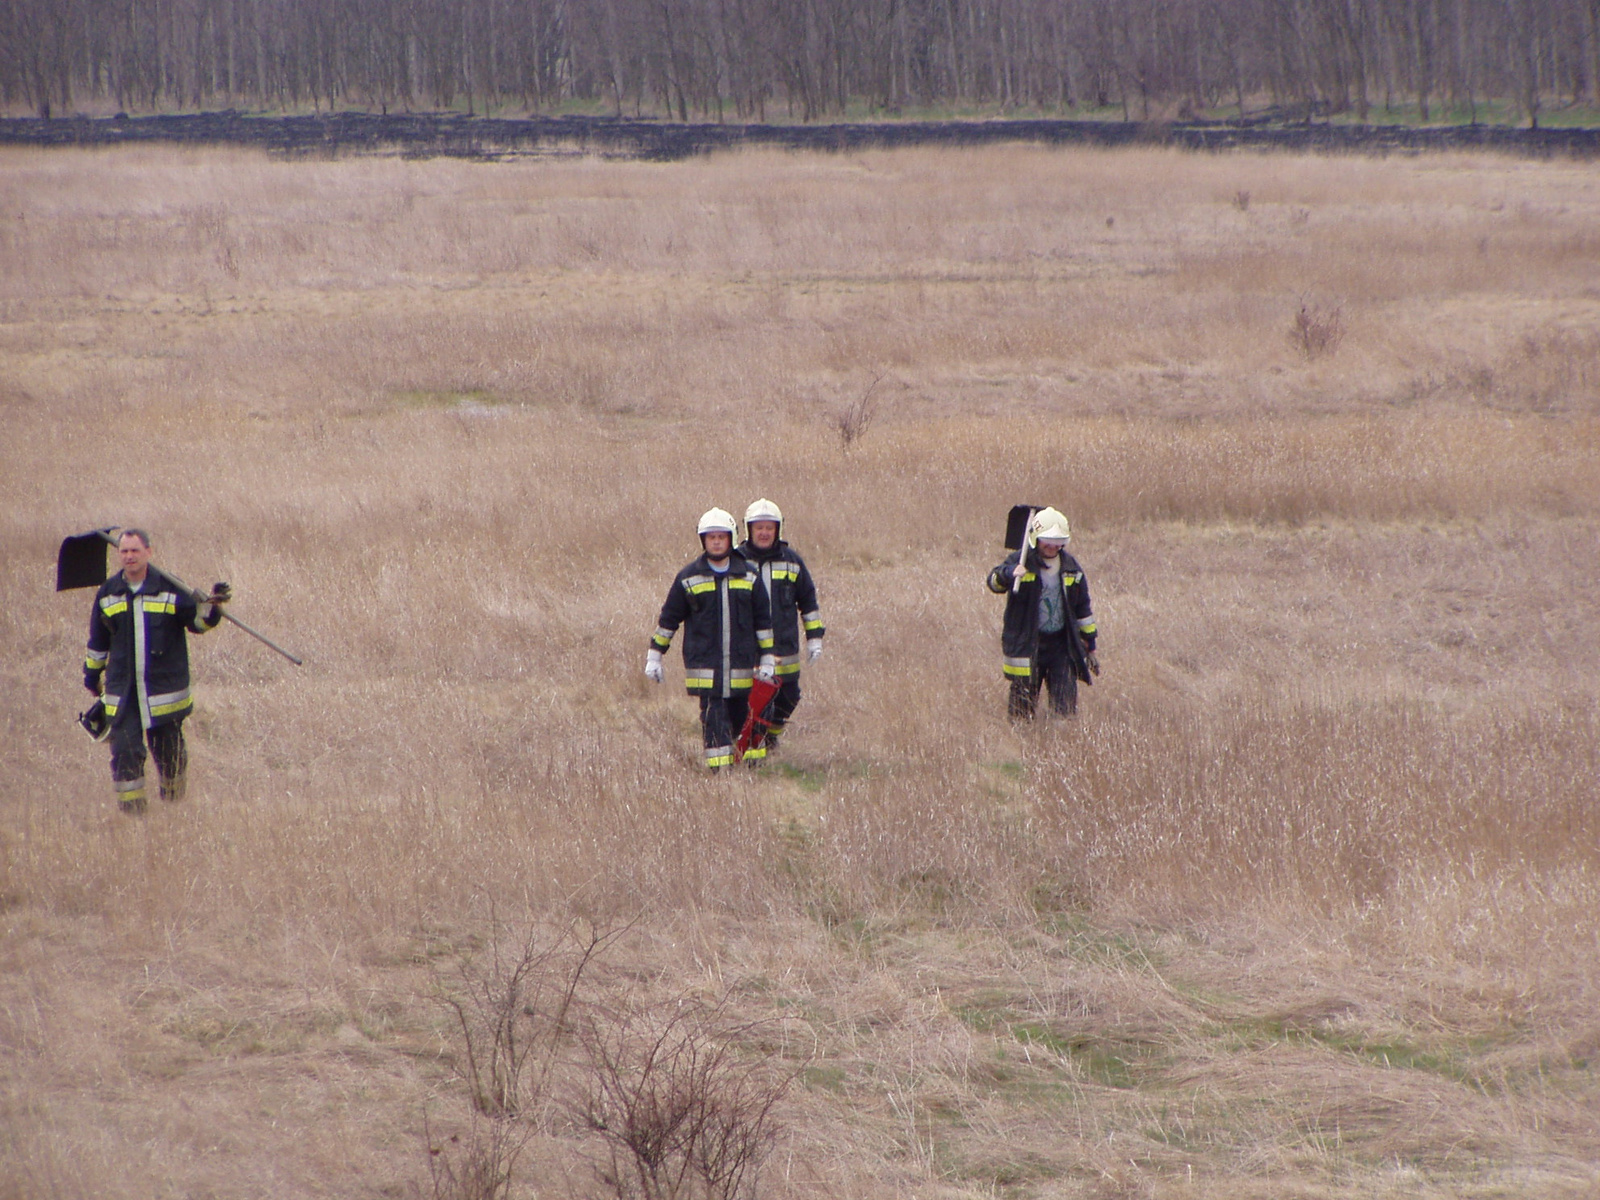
[[760, 60]]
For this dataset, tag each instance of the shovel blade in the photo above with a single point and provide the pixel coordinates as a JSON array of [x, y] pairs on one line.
[[1017, 524], [81, 561]]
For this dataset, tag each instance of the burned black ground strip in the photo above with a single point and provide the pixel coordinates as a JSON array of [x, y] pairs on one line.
[[459, 136]]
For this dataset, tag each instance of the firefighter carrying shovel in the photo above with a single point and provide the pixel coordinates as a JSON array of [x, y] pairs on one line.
[[138, 667], [137, 664], [1048, 635]]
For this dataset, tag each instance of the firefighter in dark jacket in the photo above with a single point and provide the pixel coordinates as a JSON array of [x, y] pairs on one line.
[[727, 636], [793, 599], [138, 666], [1048, 636]]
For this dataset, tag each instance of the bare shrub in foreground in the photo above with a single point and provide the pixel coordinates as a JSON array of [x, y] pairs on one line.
[[511, 1003], [681, 1110]]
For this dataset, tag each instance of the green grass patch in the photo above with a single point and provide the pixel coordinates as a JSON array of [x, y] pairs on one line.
[[808, 779], [1450, 1061], [825, 1076], [1084, 941], [463, 398]]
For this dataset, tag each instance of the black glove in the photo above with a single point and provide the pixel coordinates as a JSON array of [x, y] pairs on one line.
[[92, 678], [221, 593]]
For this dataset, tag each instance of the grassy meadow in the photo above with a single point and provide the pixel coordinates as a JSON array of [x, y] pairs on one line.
[[1306, 903]]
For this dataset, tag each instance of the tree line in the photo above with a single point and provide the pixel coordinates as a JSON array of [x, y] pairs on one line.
[[754, 60]]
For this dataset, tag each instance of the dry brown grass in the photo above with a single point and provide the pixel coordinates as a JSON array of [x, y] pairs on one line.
[[1304, 904]]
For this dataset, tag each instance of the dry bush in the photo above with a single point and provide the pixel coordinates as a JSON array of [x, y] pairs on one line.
[[512, 1000], [684, 1108], [1318, 329]]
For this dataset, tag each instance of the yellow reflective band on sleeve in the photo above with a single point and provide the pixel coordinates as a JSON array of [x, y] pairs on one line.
[[1028, 577], [1086, 625], [110, 705], [787, 668], [813, 624], [1021, 667], [94, 661], [661, 638]]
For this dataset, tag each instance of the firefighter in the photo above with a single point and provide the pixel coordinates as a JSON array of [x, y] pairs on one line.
[[138, 666], [793, 599], [1048, 637], [727, 636]]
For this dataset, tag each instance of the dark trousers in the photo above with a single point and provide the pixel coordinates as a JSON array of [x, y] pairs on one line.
[[128, 740], [1053, 666], [781, 707], [720, 722]]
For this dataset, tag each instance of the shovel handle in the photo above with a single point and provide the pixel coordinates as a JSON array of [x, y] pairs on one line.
[[202, 598], [265, 641]]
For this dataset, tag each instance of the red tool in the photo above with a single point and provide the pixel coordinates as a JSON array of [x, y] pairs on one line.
[[761, 694]]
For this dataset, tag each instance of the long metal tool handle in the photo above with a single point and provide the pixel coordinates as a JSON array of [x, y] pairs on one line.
[[226, 615], [1022, 556]]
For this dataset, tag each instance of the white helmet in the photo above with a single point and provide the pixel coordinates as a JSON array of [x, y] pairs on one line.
[[1048, 523], [762, 510], [716, 520]]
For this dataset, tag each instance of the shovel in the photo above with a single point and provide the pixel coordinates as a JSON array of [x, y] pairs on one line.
[[81, 563]]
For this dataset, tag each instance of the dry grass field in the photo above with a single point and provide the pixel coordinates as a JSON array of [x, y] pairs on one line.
[[1305, 904]]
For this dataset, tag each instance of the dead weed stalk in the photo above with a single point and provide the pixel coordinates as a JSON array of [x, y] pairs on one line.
[[854, 419]]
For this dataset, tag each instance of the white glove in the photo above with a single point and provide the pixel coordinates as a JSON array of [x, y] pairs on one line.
[[767, 672], [813, 649], [652, 665]]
